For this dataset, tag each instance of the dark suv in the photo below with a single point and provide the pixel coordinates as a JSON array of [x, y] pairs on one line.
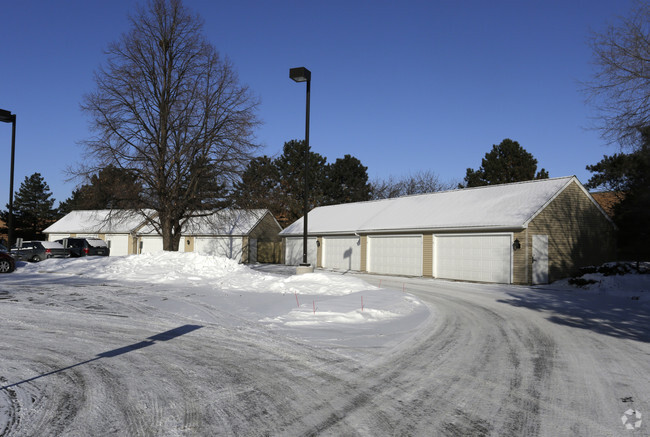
[[36, 251], [85, 246]]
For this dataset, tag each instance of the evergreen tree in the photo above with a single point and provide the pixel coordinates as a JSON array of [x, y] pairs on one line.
[[259, 187], [347, 181], [278, 184], [110, 188], [628, 175], [291, 171], [505, 163], [32, 208]]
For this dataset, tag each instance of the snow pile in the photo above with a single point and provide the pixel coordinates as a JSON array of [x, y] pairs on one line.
[[178, 268], [615, 279], [202, 287]]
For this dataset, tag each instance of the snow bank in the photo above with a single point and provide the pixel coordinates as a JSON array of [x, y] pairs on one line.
[[178, 268], [630, 284], [203, 287]]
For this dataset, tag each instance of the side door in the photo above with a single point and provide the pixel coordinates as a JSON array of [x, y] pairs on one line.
[[540, 259]]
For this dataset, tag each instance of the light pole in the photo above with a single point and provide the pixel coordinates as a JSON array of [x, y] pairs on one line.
[[301, 74], [8, 117]]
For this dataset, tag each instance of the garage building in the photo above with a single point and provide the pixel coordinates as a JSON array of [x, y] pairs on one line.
[[243, 235], [531, 232]]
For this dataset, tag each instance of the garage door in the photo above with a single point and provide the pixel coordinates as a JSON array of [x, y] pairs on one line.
[[395, 255], [151, 244], [119, 244], [483, 258], [293, 251], [343, 253], [230, 247]]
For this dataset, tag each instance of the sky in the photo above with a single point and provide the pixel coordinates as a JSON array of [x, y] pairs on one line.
[[404, 86]]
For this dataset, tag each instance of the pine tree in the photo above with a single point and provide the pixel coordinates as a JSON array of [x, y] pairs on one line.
[[347, 181], [628, 176], [291, 170], [110, 188], [33, 208], [505, 163]]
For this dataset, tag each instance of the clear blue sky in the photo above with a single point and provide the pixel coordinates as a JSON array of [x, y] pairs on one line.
[[403, 86]]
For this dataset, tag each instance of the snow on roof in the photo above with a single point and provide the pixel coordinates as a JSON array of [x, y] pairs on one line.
[[97, 221], [495, 206], [224, 222]]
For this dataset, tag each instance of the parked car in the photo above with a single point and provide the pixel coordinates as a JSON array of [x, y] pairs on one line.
[[85, 246], [7, 263], [36, 251]]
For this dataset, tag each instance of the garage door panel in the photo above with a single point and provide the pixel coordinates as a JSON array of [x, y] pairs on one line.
[[484, 258], [293, 251], [395, 255], [119, 244], [151, 244], [343, 253]]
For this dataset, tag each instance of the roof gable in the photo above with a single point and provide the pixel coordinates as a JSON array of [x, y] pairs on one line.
[[507, 206]]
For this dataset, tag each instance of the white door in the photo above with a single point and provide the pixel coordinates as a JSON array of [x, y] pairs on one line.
[[395, 255], [343, 253], [540, 259], [481, 258], [293, 251]]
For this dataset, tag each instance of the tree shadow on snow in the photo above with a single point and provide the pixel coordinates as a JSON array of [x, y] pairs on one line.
[[163, 336], [608, 315]]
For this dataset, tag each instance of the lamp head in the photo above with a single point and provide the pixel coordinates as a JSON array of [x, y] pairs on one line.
[[7, 116], [300, 74]]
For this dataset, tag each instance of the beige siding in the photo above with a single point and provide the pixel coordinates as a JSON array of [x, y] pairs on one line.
[[246, 250], [269, 242], [188, 244], [578, 232], [427, 255], [319, 252], [133, 245], [519, 257], [266, 230], [364, 253]]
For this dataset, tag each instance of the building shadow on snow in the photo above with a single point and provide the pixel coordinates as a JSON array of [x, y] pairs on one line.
[[615, 316], [163, 336]]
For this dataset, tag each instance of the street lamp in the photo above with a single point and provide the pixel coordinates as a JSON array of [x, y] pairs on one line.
[[301, 74], [8, 117]]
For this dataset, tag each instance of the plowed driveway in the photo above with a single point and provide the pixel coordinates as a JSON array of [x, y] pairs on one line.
[[81, 359]]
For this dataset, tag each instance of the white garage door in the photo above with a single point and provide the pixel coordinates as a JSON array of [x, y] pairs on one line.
[[483, 258], [293, 251], [230, 247], [119, 244], [342, 253], [151, 244], [395, 255]]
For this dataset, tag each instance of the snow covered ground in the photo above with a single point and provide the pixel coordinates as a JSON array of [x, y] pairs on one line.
[[184, 344]]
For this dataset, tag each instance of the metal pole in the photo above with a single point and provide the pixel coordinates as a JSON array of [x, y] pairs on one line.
[[306, 203], [10, 224]]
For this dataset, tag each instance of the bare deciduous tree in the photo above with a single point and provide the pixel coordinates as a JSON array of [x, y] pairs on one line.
[[421, 182], [170, 110], [620, 87]]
